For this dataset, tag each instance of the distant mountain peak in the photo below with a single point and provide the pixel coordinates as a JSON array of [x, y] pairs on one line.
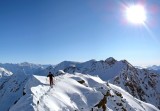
[[110, 59]]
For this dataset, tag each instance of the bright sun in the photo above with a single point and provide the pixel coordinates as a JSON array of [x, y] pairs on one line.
[[136, 14]]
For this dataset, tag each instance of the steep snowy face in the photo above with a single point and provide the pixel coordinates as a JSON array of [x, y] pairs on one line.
[[104, 69], [76, 92], [141, 83], [4, 72], [11, 89], [23, 68]]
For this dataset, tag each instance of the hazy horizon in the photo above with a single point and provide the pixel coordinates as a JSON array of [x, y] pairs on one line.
[[139, 65]]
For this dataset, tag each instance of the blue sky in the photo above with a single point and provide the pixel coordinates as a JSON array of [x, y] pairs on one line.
[[51, 31]]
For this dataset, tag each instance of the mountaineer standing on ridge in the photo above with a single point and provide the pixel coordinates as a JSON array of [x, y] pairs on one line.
[[50, 75]]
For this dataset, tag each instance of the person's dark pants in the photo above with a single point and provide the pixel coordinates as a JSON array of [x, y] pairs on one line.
[[51, 81]]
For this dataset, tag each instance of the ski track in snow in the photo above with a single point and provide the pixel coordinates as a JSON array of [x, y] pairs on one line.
[[40, 101]]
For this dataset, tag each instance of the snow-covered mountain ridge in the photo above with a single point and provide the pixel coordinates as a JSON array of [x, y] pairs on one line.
[[142, 84], [11, 89], [106, 69], [92, 95]]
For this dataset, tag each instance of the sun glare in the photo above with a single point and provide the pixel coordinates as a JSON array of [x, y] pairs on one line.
[[136, 14]]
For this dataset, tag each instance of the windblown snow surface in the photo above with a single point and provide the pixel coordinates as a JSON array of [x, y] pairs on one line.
[[76, 92]]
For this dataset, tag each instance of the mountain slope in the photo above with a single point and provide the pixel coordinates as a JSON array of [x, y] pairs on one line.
[[141, 83], [11, 89], [77, 93], [104, 69], [13, 78]]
